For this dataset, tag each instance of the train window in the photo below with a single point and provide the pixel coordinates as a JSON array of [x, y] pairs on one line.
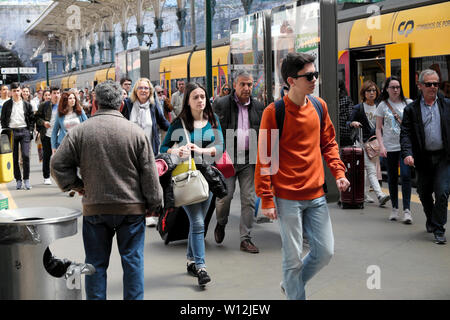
[[440, 64], [396, 68]]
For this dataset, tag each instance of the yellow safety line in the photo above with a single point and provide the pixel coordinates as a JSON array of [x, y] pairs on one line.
[[11, 203]]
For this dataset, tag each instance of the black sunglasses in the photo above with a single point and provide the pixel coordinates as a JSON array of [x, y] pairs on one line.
[[226, 89], [429, 84], [309, 76]]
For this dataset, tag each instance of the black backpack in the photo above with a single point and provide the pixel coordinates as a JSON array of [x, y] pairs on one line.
[[280, 111]]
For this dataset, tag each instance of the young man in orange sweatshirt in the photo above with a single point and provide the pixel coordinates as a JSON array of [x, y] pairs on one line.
[[292, 189]]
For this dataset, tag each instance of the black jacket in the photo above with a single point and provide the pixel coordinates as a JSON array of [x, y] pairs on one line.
[[28, 113], [213, 176], [43, 114], [228, 112], [412, 135], [359, 115]]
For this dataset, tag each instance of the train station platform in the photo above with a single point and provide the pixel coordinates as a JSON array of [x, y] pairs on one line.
[[375, 259]]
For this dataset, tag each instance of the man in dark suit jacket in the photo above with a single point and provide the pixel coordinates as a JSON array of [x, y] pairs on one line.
[[424, 139], [47, 112], [18, 116], [240, 114]]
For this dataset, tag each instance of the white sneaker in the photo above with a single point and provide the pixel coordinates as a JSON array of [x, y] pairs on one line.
[[368, 199], [394, 215], [47, 181], [407, 218], [151, 221]]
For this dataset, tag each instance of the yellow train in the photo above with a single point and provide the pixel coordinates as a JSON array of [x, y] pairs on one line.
[[397, 40]]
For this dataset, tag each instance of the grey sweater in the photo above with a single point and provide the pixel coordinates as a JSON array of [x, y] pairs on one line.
[[116, 162]]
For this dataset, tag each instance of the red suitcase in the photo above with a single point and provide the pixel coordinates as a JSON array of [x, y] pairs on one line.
[[353, 159]]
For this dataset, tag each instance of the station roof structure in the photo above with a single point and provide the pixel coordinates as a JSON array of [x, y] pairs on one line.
[[59, 17]]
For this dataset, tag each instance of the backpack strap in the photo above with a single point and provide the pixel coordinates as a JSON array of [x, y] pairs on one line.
[[280, 110], [318, 106]]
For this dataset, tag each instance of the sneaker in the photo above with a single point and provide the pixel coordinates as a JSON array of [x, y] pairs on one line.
[[203, 277], [47, 181], [27, 184], [383, 199], [19, 185], [439, 238], [368, 199], [192, 269], [151, 221], [394, 215], [407, 219]]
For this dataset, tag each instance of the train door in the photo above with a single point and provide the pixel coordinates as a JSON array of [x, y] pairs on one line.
[[366, 64], [397, 64]]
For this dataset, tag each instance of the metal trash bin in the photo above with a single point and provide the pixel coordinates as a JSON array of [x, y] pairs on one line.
[[25, 234]]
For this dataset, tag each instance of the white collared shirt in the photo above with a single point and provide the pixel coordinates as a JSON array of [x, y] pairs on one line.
[[17, 115]]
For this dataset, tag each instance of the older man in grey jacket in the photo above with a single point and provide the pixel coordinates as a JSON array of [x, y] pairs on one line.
[[119, 182]]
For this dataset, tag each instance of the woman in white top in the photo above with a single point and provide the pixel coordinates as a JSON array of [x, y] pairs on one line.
[[389, 116]]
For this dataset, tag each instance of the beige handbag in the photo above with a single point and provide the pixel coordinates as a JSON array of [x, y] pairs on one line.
[[372, 147], [189, 187]]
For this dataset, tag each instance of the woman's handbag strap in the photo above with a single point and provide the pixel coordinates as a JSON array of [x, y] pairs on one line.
[[188, 141]]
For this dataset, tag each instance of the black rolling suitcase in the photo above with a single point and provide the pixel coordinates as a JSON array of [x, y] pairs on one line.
[[353, 159], [173, 223]]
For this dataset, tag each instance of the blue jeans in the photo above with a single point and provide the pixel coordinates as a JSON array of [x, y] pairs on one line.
[[98, 233], [196, 238], [393, 159], [312, 218], [435, 179]]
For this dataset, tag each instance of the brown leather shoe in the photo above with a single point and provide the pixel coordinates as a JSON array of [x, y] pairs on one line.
[[248, 246], [219, 233]]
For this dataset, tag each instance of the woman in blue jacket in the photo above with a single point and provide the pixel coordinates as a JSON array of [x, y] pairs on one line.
[[70, 113]]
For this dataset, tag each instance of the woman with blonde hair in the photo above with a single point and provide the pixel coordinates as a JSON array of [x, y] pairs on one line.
[[142, 108]]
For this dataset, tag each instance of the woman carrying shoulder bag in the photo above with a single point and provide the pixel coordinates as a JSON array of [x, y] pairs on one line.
[[206, 140], [389, 116], [363, 116]]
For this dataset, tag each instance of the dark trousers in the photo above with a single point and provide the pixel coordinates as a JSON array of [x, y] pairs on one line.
[[393, 159], [435, 178], [22, 137], [47, 154]]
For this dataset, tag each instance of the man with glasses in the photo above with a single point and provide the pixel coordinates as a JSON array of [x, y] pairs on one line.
[[18, 115], [125, 83], [425, 143], [292, 189], [240, 114]]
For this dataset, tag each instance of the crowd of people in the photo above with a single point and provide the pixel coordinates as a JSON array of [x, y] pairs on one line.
[[157, 133], [382, 114]]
